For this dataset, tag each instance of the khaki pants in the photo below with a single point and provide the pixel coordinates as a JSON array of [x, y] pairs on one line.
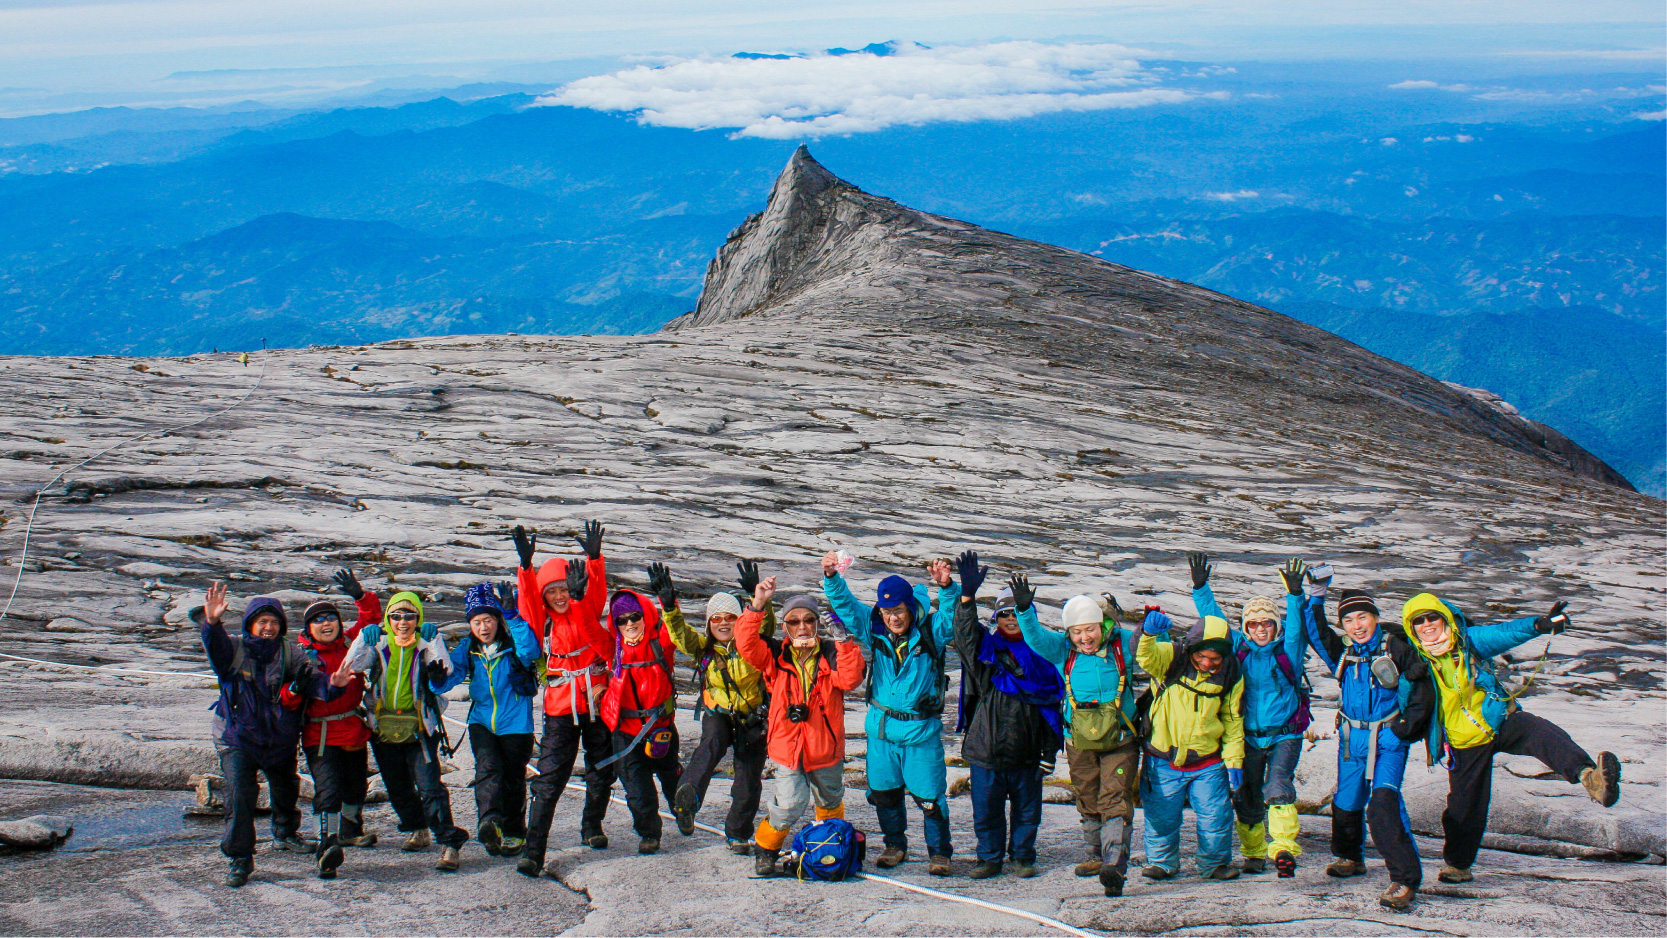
[[1105, 782]]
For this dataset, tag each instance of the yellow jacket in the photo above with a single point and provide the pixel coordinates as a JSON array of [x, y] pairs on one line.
[[1192, 719], [730, 683]]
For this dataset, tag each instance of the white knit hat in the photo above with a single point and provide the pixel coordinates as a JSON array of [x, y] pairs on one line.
[[723, 604], [1082, 610]]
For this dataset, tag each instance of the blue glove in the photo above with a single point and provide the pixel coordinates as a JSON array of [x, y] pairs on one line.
[[371, 635], [1235, 779], [428, 631], [1156, 623]]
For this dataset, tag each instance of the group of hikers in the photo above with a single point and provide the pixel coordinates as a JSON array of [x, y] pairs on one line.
[[1219, 726]]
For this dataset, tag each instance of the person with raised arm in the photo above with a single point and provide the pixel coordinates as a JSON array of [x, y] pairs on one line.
[[640, 705]]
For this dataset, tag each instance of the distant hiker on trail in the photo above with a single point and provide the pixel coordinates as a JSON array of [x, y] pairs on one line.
[[254, 730], [807, 679], [1010, 715], [640, 705], [1194, 746], [1276, 712], [563, 602], [731, 710], [403, 659], [1477, 719], [1095, 659], [1385, 702], [336, 739], [499, 659], [906, 700]]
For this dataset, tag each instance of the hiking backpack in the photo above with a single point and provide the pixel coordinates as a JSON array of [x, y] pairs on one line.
[[828, 851], [1304, 713]]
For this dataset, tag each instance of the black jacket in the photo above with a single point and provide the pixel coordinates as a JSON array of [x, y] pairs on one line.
[[1003, 732]]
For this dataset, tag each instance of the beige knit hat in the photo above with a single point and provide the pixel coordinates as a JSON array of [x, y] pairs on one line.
[[1259, 608]]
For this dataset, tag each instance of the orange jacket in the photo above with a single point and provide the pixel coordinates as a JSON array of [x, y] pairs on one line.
[[819, 741], [578, 648], [641, 674]]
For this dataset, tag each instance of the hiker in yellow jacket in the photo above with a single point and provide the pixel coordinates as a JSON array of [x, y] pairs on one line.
[[731, 712], [1194, 744]]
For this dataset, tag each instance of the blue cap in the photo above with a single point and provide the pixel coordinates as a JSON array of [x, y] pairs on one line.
[[894, 591]]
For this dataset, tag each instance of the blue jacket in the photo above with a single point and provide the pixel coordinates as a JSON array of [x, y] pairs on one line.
[[248, 714], [898, 686], [1093, 677], [493, 703], [1361, 698], [1270, 700]]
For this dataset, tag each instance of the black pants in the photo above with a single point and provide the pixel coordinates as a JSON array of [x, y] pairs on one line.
[[501, 778], [1268, 779], [338, 777], [1470, 783], [718, 735], [638, 773], [411, 773], [238, 767], [557, 749]]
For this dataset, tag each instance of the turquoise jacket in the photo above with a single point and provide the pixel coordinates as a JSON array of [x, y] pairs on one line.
[[1269, 699], [899, 687], [1480, 645], [493, 703], [1093, 677]]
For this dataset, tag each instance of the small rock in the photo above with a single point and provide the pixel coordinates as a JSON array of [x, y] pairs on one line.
[[145, 568], [41, 832]]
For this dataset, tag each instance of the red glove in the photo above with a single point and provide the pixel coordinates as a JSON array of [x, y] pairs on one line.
[[291, 697]]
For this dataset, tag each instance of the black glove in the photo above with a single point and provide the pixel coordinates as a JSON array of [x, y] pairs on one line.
[[349, 584], [1292, 573], [524, 545], [1023, 595], [972, 575], [660, 584], [1200, 564], [1553, 622], [591, 540], [506, 595], [749, 576], [577, 579], [436, 671]]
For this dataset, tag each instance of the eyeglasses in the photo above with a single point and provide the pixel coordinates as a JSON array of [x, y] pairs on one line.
[[403, 617], [1428, 618], [895, 612], [629, 618]]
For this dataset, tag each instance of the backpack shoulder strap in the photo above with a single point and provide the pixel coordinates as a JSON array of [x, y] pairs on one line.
[[1287, 668]]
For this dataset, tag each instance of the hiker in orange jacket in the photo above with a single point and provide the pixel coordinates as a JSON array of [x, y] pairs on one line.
[[639, 708], [808, 679], [563, 603]]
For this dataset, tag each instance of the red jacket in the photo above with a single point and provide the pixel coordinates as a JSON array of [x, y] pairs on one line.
[[348, 731], [819, 741], [641, 674], [573, 641]]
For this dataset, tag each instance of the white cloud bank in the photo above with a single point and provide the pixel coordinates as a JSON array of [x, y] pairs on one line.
[[818, 95]]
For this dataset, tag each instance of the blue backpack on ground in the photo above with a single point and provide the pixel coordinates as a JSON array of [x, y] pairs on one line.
[[827, 850]]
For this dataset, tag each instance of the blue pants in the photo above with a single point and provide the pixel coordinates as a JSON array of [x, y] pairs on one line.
[[1165, 790], [1387, 818], [992, 791], [919, 772], [1352, 783]]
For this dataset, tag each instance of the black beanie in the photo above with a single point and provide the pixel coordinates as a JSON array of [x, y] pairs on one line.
[[1355, 601]]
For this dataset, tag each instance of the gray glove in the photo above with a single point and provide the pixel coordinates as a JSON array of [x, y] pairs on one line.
[[835, 627]]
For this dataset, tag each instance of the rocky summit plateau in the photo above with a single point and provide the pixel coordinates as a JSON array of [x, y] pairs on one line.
[[857, 375]]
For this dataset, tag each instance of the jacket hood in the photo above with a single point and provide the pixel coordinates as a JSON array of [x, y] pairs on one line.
[[313, 611], [553, 573], [262, 604], [406, 597], [1421, 604], [650, 622], [1210, 633]]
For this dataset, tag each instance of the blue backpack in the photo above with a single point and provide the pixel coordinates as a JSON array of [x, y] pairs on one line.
[[828, 850]]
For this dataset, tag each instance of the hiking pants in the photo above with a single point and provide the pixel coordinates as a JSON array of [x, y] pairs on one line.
[[796, 788], [238, 768], [1164, 791], [1104, 782], [718, 735], [993, 791], [501, 778], [339, 777], [1470, 783], [557, 750], [638, 773], [411, 773], [919, 772], [1269, 779], [1375, 802]]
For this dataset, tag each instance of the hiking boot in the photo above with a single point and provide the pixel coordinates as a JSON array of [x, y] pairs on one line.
[[1156, 873], [1026, 871], [419, 840], [530, 867], [353, 834], [239, 872], [1088, 867], [684, 804], [1225, 871], [648, 845], [1342, 868], [448, 860], [330, 856], [984, 869], [939, 866], [1398, 897], [1603, 781], [511, 846], [1454, 874], [1253, 865], [1112, 881], [490, 837], [764, 861], [595, 840], [294, 843], [1285, 864], [740, 847], [890, 857]]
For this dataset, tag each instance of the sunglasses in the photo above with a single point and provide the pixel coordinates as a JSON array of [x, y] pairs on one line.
[[326, 617], [1428, 618], [1006, 614], [403, 617], [629, 618], [799, 620]]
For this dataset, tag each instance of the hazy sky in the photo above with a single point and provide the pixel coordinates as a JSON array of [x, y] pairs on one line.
[[73, 51]]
